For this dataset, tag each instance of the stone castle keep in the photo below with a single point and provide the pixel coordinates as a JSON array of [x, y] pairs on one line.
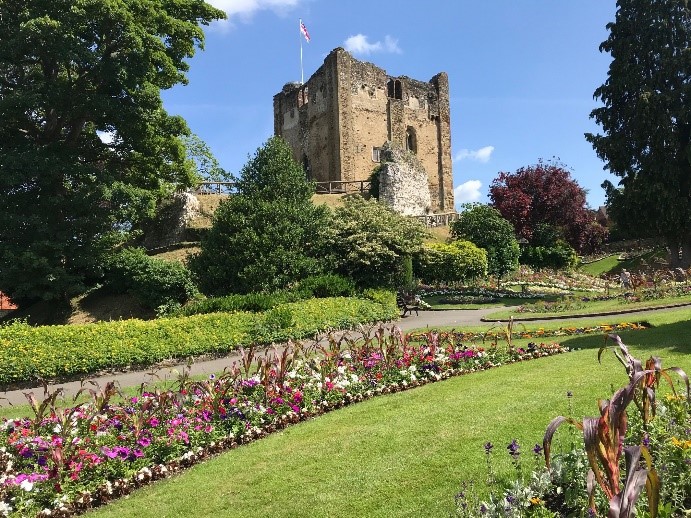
[[338, 122]]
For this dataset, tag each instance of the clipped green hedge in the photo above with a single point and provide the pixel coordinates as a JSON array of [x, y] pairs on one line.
[[54, 352], [452, 262]]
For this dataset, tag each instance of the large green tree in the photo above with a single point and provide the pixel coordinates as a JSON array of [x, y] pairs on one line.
[[85, 144], [485, 227], [646, 121], [269, 234]]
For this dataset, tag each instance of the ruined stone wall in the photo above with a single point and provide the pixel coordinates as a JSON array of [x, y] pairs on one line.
[[353, 107], [403, 182], [306, 116]]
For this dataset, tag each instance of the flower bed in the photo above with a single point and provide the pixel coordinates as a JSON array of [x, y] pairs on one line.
[[652, 434], [468, 299], [64, 461], [474, 291], [540, 333]]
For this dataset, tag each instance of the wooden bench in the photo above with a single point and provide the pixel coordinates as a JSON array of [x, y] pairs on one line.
[[407, 304]]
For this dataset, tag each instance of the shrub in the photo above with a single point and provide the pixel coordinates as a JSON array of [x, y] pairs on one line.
[[251, 302], [49, 352], [485, 227], [386, 298], [327, 285], [269, 234], [557, 257], [154, 282], [406, 281], [368, 240], [458, 261]]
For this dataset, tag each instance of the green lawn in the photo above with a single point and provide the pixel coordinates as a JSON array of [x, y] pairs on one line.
[[606, 265], [597, 306], [406, 454], [611, 265]]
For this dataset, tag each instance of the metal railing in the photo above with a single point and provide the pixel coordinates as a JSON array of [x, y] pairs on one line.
[[215, 188], [437, 220], [334, 187], [343, 187]]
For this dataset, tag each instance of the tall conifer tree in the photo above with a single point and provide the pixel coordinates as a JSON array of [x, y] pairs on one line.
[[646, 121]]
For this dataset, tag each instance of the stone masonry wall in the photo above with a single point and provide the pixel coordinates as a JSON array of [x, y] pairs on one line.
[[339, 119], [403, 182]]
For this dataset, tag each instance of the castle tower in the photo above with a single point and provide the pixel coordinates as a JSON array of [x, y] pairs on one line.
[[337, 122]]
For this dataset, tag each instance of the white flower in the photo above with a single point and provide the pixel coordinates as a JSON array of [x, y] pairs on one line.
[[5, 508], [26, 485]]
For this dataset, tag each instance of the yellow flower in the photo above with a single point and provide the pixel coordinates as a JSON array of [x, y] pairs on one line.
[[535, 501], [680, 444]]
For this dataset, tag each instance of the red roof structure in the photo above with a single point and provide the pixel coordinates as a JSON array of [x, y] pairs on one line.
[[6, 303]]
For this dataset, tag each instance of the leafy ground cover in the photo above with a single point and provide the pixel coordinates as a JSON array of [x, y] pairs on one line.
[[58, 352]]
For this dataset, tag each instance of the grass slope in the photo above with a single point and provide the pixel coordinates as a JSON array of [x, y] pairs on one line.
[[405, 454]]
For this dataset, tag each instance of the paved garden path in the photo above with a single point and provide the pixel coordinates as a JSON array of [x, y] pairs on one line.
[[429, 319]]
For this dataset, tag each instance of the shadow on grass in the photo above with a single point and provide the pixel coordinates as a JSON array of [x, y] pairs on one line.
[[676, 337]]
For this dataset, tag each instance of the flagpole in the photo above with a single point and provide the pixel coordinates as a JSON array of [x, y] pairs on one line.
[[302, 73]]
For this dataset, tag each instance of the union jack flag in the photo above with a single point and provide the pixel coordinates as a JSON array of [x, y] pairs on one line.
[[304, 32]]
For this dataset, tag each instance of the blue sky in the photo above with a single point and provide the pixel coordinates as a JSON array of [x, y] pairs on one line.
[[522, 75]]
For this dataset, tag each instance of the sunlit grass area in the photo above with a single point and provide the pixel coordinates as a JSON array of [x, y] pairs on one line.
[[406, 454]]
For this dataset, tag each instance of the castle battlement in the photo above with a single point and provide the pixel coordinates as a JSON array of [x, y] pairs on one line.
[[339, 120]]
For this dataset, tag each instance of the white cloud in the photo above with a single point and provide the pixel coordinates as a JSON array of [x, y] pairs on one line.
[[246, 8], [467, 192], [480, 155], [359, 44]]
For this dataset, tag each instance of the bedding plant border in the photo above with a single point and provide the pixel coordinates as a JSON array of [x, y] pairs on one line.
[[66, 460]]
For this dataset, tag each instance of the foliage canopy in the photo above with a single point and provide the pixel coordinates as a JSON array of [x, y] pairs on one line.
[[457, 261], [85, 144], [368, 241], [486, 228], [646, 121], [542, 195]]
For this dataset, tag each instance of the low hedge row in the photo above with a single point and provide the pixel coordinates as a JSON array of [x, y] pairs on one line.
[[318, 286], [55, 352]]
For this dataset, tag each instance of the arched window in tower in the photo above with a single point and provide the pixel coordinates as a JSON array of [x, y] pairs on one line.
[[411, 140], [394, 89]]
